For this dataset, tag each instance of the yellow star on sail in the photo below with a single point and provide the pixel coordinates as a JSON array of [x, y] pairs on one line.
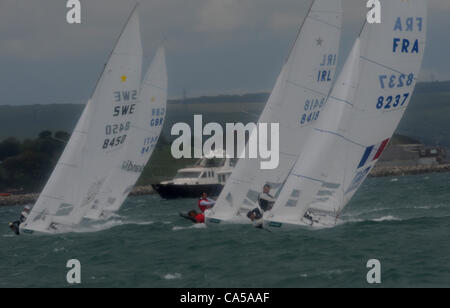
[[153, 99], [124, 78]]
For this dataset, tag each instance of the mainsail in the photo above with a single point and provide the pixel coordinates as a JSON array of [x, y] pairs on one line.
[[96, 144], [144, 136], [361, 115], [296, 103]]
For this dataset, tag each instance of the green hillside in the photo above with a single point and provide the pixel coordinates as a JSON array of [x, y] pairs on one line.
[[426, 119]]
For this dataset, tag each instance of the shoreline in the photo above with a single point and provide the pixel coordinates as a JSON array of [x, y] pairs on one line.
[[148, 190], [25, 199], [378, 172]]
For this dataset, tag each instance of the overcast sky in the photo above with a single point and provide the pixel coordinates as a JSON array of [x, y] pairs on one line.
[[213, 46]]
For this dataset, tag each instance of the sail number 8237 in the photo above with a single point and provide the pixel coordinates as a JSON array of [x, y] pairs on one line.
[[391, 102], [396, 81]]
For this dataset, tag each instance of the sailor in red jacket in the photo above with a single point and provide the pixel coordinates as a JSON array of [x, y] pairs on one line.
[[205, 203], [194, 217], [200, 218]]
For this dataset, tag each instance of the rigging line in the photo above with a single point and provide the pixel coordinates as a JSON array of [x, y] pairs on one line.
[[115, 45], [324, 22], [284, 182], [335, 78], [307, 89], [339, 135], [295, 42], [382, 65], [307, 178], [340, 100], [363, 27], [52, 197], [299, 31]]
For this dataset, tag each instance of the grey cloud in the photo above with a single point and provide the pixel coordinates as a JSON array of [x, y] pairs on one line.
[[214, 46]]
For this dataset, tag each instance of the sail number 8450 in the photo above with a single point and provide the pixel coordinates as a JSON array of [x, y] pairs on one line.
[[114, 142]]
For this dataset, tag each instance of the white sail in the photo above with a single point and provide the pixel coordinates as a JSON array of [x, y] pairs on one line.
[[144, 136], [94, 148], [309, 175], [360, 117], [295, 103]]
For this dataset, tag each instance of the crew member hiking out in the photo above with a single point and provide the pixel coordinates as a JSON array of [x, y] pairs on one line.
[[23, 216], [265, 199], [265, 204], [204, 203], [197, 218], [256, 216]]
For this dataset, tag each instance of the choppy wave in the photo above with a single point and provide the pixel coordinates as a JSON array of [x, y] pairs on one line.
[[196, 226], [386, 218], [60, 249], [108, 224], [404, 224], [172, 276]]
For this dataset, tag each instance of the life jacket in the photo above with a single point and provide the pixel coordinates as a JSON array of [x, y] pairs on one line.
[[204, 204], [200, 218]]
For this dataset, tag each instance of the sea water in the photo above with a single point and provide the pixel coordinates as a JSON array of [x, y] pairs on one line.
[[403, 222]]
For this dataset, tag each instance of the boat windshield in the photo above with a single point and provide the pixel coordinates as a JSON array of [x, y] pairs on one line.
[[188, 175], [211, 163]]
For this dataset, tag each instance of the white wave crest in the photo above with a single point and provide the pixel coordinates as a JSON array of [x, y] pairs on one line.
[[172, 276], [101, 226], [196, 226], [386, 218]]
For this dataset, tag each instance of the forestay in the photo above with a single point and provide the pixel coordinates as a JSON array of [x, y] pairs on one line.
[[144, 136], [96, 144], [296, 103], [361, 115]]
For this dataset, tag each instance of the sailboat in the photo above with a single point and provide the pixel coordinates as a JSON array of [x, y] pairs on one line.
[[145, 132], [296, 103], [97, 141], [363, 111]]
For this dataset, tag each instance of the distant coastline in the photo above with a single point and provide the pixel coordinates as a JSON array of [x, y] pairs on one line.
[[24, 199], [408, 170], [426, 118]]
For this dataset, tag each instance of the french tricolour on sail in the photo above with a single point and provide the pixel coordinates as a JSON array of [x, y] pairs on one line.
[[97, 142], [363, 111], [296, 103]]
